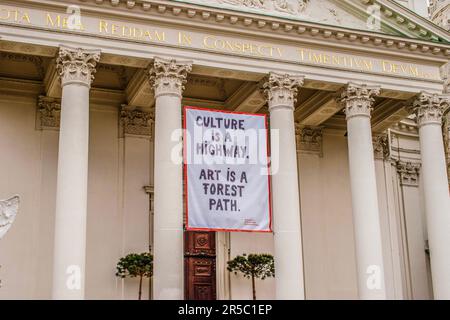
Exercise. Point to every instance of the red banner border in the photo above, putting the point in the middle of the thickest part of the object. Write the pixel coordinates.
(187, 227)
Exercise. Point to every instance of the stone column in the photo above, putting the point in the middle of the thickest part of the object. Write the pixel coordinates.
(168, 77)
(447, 143)
(76, 68)
(281, 92)
(357, 101)
(429, 110)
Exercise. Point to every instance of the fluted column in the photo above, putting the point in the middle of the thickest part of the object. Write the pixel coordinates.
(76, 68)
(168, 77)
(281, 92)
(429, 110)
(357, 101)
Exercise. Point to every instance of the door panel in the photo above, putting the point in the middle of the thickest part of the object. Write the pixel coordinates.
(200, 265)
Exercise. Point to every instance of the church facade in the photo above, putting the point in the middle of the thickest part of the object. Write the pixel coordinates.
(91, 100)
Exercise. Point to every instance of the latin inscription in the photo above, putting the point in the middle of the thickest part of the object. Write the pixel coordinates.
(215, 43)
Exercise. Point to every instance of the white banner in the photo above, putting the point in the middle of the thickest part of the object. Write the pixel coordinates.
(226, 171)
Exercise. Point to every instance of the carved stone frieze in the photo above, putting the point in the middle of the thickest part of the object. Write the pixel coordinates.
(136, 122)
(294, 7)
(309, 139)
(408, 173)
(48, 113)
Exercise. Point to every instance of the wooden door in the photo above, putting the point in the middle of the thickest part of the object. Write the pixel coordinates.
(200, 265)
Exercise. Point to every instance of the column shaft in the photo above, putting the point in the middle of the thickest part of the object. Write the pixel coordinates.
(429, 110)
(168, 78)
(369, 256)
(71, 193)
(281, 91)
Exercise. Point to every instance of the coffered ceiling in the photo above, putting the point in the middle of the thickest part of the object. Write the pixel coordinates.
(114, 85)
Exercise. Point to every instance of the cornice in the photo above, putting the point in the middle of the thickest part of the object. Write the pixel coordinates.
(267, 26)
(409, 18)
(406, 128)
(395, 17)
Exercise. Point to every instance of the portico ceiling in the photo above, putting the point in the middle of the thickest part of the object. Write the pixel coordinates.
(30, 76)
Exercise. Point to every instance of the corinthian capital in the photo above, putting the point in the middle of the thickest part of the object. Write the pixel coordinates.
(429, 108)
(281, 90)
(136, 122)
(409, 173)
(168, 77)
(358, 99)
(381, 147)
(76, 65)
(49, 111)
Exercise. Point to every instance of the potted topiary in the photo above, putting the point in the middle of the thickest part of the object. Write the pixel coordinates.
(253, 266)
(136, 265)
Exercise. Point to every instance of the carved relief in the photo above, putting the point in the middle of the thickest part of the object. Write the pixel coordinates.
(284, 6)
(357, 100)
(48, 113)
(294, 7)
(203, 269)
(77, 65)
(8, 211)
(136, 122)
(203, 292)
(381, 147)
(408, 173)
(168, 77)
(201, 240)
(281, 90)
(309, 139)
(429, 108)
(323, 11)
